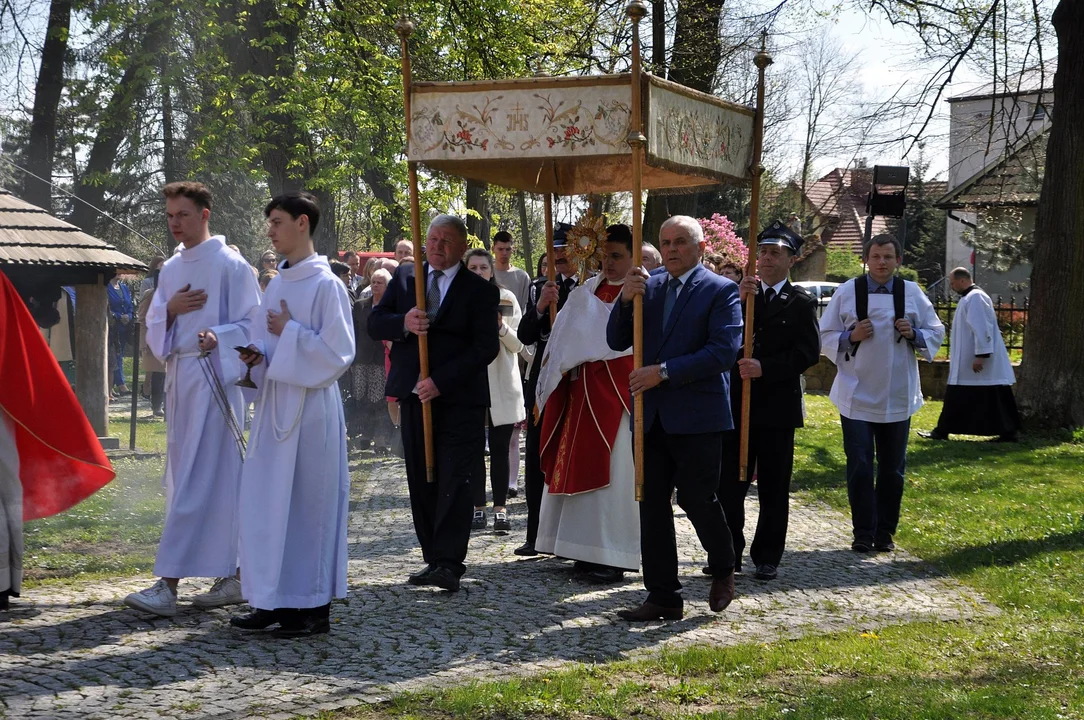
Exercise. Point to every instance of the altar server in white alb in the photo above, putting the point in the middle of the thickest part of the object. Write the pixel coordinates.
(872, 330)
(295, 485)
(978, 399)
(206, 295)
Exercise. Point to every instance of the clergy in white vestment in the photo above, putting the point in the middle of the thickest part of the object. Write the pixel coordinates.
(877, 387)
(589, 512)
(295, 485)
(978, 399)
(206, 295)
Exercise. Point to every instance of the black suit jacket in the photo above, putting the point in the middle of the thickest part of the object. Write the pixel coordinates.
(534, 330)
(463, 338)
(786, 340)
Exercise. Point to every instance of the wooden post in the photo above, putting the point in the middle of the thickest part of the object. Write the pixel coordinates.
(137, 388)
(636, 11)
(762, 61)
(551, 263)
(404, 29)
(91, 353)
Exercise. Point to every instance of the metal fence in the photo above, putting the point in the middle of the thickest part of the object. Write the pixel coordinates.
(1012, 318)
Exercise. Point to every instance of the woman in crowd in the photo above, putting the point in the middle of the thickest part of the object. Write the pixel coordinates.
(367, 419)
(505, 398)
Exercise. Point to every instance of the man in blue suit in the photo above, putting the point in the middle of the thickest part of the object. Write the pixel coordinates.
(692, 331)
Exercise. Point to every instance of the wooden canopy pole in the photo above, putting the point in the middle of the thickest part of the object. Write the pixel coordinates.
(762, 60)
(551, 263)
(636, 11)
(404, 29)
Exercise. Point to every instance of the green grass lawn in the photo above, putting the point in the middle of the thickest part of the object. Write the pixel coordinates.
(1006, 520)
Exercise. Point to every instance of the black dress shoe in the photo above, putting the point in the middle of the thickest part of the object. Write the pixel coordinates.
(444, 579)
(722, 593)
(513, 492)
(604, 574)
(934, 434)
(421, 577)
(884, 545)
(650, 611)
(862, 546)
(766, 572)
(526, 550)
(479, 521)
(304, 623)
(257, 619)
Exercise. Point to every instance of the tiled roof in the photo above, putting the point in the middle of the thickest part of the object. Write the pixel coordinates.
(31, 236)
(1015, 181)
(839, 199)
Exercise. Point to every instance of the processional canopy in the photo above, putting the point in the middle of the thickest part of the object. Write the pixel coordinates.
(570, 135)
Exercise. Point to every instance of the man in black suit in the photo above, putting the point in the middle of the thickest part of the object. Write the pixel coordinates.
(460, 320)
(786, 342)
(534, 329)
(692, 329)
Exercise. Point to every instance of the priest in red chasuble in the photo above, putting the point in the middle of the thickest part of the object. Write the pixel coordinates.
(589, 512)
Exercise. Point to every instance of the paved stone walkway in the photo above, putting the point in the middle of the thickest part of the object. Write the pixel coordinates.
(78, 653)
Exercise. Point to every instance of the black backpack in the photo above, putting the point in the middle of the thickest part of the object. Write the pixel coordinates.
(861, 304)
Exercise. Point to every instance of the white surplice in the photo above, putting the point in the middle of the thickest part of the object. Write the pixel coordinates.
(11, 510)
(880, 382)
(601, 526)
(295, 485)
(975, 332)
(203, 462)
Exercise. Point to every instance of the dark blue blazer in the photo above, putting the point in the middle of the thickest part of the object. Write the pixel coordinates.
(463, 337)
(699, 345)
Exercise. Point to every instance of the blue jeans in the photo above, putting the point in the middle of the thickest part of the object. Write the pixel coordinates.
(875, 510)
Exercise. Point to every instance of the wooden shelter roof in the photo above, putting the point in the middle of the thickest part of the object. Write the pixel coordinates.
(29, 236)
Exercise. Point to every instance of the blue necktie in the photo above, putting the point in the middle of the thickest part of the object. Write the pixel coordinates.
(881, 290)
(671, 298)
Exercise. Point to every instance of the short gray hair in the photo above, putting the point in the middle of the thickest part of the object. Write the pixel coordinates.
(686, 223)
(381, 273)
(450, 221)
(649, 249)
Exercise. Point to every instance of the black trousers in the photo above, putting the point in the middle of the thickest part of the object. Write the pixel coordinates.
(158, 390)
(689, 463)
(442, 510)
(771, 452)
(533, 479)
(499, 438)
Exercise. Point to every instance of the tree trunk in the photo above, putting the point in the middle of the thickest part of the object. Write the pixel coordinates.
(393, 217)
(658, 38)
(116, 123)
(1051, 389)
(478, 225)
(694, 62)
(525, 234)
(90, 353)
(41, 145)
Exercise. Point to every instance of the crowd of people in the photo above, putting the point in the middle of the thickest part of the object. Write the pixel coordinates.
(334, 351)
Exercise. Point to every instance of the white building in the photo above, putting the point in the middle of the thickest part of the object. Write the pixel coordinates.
(997, 149)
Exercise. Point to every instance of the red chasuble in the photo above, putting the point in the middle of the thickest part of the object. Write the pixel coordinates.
(61, 461)
(582, 418)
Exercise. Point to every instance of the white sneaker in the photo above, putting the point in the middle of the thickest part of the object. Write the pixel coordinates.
(225, 591)
(157, 599)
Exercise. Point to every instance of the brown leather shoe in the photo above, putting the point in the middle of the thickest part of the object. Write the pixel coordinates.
(722, 593)
(650, 611)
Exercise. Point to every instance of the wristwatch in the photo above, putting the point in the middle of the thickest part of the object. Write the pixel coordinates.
(664, 374)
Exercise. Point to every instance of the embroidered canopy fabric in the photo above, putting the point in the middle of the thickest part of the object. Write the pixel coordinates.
(569, 135)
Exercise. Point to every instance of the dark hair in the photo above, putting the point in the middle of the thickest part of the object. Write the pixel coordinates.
(349, 254)
(503, 237)
(538, 269)
(296, 204)
(339, 268)
(194, 191)
(882, 239)
(732, 264)
(620, 234)
(483, 253)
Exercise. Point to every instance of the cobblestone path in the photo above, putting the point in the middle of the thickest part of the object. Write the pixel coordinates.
(76, 652)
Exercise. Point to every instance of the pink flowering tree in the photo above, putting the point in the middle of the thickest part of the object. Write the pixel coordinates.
(722, 240)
